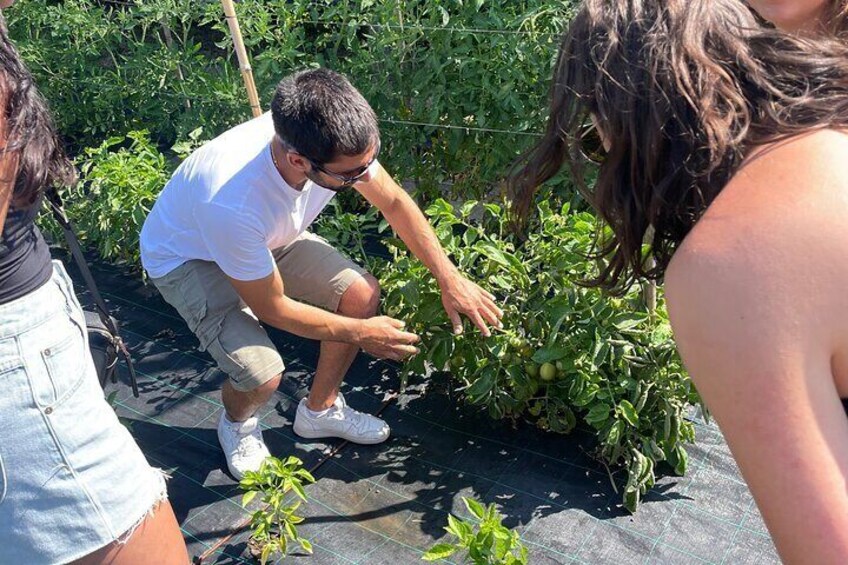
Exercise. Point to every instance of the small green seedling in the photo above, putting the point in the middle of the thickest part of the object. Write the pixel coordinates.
(484, 539)
(274, 525)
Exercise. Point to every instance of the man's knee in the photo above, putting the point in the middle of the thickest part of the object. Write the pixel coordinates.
(362, 298)
(261, 386)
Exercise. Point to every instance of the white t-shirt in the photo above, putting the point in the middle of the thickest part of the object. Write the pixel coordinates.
(228, 204)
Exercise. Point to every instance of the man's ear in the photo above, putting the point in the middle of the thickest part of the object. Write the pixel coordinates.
(298, 162)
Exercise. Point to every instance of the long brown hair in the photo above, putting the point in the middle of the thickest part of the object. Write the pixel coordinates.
(31, 134)
(681, 89)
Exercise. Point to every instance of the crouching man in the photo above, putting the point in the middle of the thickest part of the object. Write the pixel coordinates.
(227, 245)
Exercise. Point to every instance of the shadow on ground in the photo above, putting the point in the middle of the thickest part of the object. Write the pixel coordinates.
(389, 503)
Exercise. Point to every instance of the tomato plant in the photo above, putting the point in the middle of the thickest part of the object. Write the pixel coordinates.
(568, 355)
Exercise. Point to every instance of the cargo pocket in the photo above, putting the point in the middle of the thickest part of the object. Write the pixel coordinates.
(229, 362)
(191, 300)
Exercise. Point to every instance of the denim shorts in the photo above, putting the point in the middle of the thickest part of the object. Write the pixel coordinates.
(72, 479)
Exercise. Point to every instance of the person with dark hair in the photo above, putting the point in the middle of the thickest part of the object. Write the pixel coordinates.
(721, 145)
(74, 486)
(227, 245)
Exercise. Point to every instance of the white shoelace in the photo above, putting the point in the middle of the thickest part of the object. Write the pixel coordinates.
(358, 420)
(249, 443)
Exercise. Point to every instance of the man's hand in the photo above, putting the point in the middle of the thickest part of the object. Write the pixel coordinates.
(461, 296)
(384, 337)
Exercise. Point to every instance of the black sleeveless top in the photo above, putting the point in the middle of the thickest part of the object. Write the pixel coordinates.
(24, 255)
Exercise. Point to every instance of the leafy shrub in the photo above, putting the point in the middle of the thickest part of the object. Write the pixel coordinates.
(460, 86)
(430, 69)
(568, 355)
(485, 540)
(275, 524)
(121, 179)
(109, 68)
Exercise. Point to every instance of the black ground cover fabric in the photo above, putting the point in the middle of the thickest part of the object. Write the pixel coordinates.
(389, 503)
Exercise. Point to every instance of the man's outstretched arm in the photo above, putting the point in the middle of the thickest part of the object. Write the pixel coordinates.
(459, 295)
(380, 336)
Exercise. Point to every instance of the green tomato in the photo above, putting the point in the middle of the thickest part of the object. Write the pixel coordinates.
(532, 369)
(547, 372)
(526, 351)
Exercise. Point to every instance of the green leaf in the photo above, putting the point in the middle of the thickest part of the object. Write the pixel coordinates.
(248, 496)
(441, 352)
(482, 386)
(440, 207)
(628, 320)
(548, 354)
(598, 414)
(467, 208)
(266, 553)
(439, 551)
(298, 489)
(628, 412)
(291, 530)
(474, 507)
(682, 460)
(501, 257)
(454, 526)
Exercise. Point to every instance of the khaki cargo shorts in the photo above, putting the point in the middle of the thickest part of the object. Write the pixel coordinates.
(313, 271)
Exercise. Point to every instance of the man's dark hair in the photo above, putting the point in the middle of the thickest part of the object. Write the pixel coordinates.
(320, 114)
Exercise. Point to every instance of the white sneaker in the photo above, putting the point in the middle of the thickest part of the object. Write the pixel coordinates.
(242, 444)
(340, 421)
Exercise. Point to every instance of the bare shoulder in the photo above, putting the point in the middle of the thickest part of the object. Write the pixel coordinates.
(773, 247)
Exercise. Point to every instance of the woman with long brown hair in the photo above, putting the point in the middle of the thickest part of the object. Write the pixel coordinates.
(725, 149)
(74, 486)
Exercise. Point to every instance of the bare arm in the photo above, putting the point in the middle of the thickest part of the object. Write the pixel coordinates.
(380, 336)
(773, 395)
(6, 188)
(459, 295)
(757, 302)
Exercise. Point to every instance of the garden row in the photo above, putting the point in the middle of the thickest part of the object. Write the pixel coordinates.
(137, 87)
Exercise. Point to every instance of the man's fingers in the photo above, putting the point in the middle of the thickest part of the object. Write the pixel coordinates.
(492, 317)
(456, 321)
(489, 302)
(408, 337)
(497, 313)
(496, 310)
(396, 323)
(401, 352)
(478, 321)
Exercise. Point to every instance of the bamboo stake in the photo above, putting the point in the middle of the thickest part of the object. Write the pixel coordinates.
(241, 53)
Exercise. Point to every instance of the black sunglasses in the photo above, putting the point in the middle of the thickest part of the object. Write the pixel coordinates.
(346, 180)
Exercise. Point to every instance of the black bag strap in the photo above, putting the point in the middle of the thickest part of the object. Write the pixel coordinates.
(55, 203)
